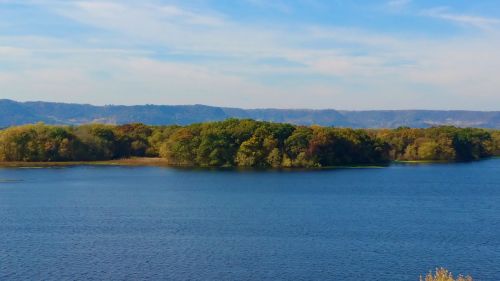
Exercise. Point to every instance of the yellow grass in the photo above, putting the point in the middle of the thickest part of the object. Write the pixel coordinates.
(442, 274)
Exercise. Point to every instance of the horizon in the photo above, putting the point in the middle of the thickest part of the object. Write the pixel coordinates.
(310, 54)
(253, 108)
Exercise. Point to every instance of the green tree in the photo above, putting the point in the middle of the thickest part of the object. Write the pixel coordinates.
(181, 146)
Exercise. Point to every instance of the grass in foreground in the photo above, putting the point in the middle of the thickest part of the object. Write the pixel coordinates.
(442, 274)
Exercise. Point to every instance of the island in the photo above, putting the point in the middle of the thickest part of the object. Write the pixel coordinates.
(242, 143)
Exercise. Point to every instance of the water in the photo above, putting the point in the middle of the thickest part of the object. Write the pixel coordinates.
(148, 223)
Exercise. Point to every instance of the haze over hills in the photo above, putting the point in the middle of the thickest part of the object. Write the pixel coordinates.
(17, 113)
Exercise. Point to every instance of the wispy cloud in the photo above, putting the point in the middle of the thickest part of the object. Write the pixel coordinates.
(277, 5)
(154, 48)
(398, 4)
(444, 13)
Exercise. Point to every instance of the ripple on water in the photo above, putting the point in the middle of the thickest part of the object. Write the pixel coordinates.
(113, 223)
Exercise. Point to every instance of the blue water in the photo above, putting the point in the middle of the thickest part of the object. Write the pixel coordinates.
(149, 223)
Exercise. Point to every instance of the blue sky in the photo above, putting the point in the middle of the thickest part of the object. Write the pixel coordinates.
(377, 54)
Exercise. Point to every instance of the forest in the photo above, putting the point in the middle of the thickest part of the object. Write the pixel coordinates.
(246, 143)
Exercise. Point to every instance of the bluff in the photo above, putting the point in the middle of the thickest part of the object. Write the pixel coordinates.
(18, 113)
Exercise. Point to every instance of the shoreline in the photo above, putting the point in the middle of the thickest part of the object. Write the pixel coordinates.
(143, 161)
(160, 162)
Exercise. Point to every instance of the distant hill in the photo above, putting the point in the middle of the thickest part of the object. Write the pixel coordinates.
(17, 113)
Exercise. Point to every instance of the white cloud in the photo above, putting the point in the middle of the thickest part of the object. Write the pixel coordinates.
(333, 67)
(463, 19)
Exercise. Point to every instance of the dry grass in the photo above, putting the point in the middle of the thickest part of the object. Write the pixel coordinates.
(144, 161)
(444, 275)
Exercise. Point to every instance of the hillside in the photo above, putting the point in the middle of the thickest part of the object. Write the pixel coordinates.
(17, 113)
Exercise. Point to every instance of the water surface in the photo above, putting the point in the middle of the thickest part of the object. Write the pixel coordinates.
(149, 223)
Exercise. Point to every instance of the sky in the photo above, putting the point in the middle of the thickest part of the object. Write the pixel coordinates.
(352, 55)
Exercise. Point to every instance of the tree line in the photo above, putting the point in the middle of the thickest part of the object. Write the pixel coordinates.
(246, 143)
